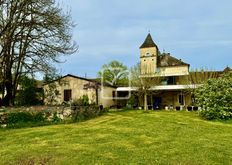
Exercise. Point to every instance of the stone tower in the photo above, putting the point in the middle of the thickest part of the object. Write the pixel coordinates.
(148, 56)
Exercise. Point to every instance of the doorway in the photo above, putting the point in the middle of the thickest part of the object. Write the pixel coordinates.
(157, 102)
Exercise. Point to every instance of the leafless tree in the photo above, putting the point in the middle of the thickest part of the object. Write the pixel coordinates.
(33, 35)
(199, 77)
(143, 84)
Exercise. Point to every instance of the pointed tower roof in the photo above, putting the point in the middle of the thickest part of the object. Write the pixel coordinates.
(227, 69)
(148, 42)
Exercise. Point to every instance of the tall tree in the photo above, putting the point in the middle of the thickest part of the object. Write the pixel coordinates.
(33, 35)
(114, 73)
(143, 84)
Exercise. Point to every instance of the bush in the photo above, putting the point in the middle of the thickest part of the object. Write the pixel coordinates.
(18, 117)
(85, 100)
(29, 94)
(55, 118)
(86, 112)
(46, 117)
(39, 117)
(82, 101)
(3, 118)
(22, 119)
(215, 98)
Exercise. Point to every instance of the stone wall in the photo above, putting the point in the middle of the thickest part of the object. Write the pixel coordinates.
(77, 91)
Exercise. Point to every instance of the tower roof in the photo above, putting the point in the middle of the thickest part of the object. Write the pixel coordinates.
(227, 69)
(148, 42)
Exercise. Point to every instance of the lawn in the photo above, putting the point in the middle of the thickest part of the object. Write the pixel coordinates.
(129, 137)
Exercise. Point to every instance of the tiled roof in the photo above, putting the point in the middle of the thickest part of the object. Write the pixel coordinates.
(227, 69)
(148, 42)
(166, 60)
(81, 78)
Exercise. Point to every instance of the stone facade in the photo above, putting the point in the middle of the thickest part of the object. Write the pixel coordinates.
(148, 60)
(148, 56)
(173, 72)
(72, 88)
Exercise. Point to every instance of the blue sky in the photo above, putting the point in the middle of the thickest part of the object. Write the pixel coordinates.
(197, 31)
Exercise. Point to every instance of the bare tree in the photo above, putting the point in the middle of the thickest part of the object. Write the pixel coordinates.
(199, 77)
(143, 84)
(33, 35)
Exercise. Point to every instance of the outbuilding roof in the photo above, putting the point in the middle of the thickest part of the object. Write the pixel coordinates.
(82, 78)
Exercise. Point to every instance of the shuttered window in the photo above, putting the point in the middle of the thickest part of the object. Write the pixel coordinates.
(67, 94)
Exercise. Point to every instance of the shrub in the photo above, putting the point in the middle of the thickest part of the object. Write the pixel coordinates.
(39, 117)
(86, 112)
(29, 94)
(17, 117)
(3, 118)
(55, 118)
(46, 117)
(85, 100)
(22, 119)
(215, 98)
(82, 101)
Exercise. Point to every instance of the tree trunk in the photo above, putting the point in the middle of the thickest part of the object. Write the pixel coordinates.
(145, 102)
(7, 100)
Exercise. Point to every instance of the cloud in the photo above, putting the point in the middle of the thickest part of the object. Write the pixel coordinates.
(199, 32)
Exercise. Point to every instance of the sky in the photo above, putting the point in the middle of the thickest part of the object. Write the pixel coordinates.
(197, 31)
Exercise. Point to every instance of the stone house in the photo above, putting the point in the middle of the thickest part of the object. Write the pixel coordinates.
(173, 91)
(71, 88)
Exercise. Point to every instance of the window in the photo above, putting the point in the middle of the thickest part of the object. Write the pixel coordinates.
(67, 94)
(171, 80)
(181, 99)
(147, 54)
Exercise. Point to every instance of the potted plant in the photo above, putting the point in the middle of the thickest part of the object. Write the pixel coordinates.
(195, 108)
(178, 107)
(189, 108)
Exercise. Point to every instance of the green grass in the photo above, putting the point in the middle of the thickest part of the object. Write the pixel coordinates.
(130, 137)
